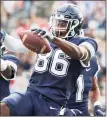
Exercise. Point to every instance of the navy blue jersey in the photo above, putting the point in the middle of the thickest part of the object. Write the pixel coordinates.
(4, 84)
(79, 98)
(55, 73)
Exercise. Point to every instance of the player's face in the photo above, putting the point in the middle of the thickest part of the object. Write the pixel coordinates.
(59, 27)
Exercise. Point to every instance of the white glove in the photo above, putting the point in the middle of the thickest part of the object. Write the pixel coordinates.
(3, 65)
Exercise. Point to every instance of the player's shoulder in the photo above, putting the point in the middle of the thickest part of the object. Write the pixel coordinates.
(81, 39)
(88, 40)
(84, 41)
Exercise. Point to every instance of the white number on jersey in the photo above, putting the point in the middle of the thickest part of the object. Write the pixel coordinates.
(59, 63)
(80, 89)
(42, 62)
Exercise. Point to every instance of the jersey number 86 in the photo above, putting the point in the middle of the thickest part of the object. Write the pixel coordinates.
(55, 61)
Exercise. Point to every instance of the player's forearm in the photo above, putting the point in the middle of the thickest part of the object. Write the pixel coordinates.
(95, 95)
(70, 49)
(14, 45)
(95, 92)
(95, 98)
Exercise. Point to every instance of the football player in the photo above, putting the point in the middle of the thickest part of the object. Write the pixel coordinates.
(87, 81)
(55, 73)
(8, 68)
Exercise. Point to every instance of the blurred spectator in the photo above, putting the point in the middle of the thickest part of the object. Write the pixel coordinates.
(26, 62)
(9, 7)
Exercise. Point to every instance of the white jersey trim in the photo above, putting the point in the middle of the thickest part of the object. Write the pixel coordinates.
(97, 71)
(83, 64)
(92, 51)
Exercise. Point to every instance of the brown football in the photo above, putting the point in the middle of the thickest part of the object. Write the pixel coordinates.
(34, 42)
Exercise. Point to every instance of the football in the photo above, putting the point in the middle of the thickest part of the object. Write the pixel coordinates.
(34, 42)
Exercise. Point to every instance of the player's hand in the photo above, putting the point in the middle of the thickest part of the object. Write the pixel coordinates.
(70, 112)
(2, 35)
(44, 34)
(98, 111)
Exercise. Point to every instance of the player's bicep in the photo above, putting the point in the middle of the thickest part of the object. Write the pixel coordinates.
(88, 51)
(90, 47)
(86, 55)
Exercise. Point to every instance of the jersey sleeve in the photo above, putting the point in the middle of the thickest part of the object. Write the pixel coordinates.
(95, 67)
(91, 45)
(97, 70)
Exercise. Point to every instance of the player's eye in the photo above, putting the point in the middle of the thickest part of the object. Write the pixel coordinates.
(60, 24)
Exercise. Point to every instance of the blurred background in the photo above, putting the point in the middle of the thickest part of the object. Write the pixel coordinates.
(21, 15)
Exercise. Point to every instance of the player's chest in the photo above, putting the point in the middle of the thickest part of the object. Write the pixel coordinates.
(56, 62)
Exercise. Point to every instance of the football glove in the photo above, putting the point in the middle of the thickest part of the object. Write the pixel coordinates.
(3, 65)
(70, 112)
(2, 36)
(98, 111)
(43, 34)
